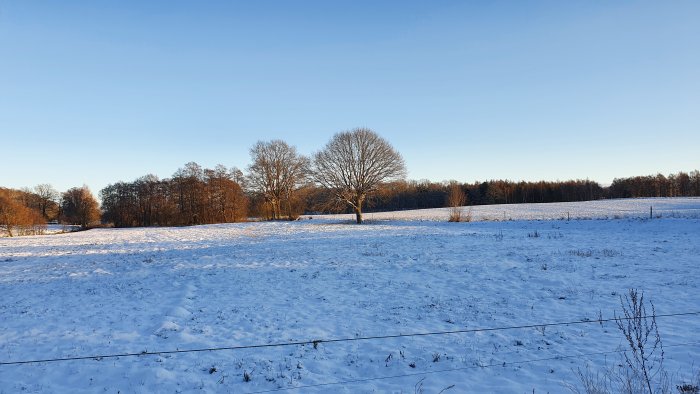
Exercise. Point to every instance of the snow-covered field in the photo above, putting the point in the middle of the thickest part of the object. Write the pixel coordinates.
(115, 291)
(600, 209)
(50, 229)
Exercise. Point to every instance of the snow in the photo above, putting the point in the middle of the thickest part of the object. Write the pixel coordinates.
(115, 291)
(599, 209)
(50, 229)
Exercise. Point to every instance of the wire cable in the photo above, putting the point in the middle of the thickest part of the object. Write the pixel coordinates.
(316, 342)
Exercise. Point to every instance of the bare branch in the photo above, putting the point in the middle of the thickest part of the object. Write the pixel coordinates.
(353, 165)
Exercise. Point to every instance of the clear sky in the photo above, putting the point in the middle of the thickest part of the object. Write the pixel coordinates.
(93, 92)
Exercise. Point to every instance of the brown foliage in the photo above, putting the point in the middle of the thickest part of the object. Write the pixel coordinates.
(456, 199)
(194, 195)
(79, 206)
(16, 218)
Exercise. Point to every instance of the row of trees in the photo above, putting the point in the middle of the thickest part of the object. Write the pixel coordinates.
(27, 211)
(193, 195)
(675, 185)
(280, 183)
(273, 191)
(425, 194)
(356, 168)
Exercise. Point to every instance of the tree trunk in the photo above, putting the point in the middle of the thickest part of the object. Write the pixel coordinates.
(273, 204)
(358, 209)
(289, 210)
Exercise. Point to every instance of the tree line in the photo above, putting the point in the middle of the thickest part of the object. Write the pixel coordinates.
(425, 194)
(356, 170)
(28, 211)
(675, 185)
(193, 195)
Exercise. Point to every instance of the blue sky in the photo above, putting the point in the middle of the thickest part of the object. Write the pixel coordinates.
(94, 92)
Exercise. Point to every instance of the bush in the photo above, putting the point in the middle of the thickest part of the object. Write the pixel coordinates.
(456, 199)
(641, 370)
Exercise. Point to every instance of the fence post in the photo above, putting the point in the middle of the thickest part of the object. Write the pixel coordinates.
(651, 212)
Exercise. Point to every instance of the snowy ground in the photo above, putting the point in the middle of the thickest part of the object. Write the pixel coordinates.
(600, 209)
(110, 291)
(50, 229)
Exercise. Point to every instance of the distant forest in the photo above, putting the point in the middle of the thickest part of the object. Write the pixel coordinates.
(196, 195)
(426, 194)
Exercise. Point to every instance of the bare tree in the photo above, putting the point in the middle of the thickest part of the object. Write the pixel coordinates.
(456, 199)
(276, 173)
(47, 197)
(353, 165)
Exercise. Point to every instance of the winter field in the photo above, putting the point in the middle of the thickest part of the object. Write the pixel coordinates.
(116, 291)
(600, 209)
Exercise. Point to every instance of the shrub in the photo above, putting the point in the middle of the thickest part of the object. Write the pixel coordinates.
(641, 370)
